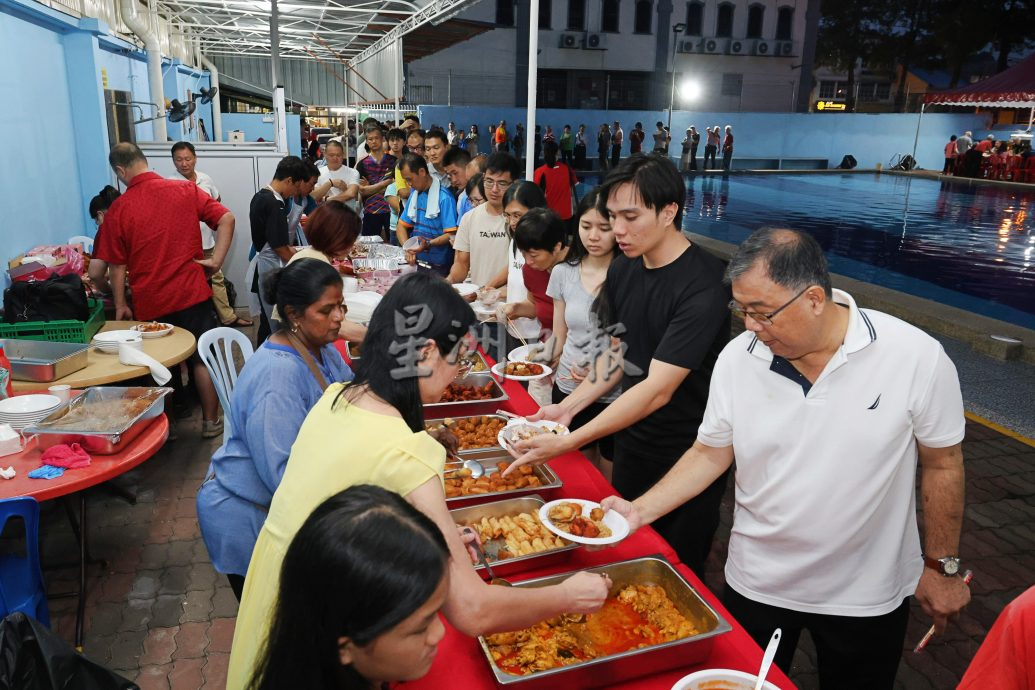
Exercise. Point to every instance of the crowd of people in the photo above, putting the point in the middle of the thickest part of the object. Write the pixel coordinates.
(988, 158)
(324, 506)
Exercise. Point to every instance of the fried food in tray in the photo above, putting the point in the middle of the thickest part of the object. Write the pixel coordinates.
(474, 432)
(522, 369)
(478, 364)
(568, 518)
(521, 534)
(639, 616)
(457, 392)
(461, 483)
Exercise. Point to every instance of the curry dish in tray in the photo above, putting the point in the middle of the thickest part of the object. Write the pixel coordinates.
(639, 616)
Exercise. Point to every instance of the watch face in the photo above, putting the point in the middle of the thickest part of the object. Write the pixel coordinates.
(951, 566)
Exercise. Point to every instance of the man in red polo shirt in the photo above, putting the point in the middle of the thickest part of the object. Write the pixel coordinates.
(151, 232)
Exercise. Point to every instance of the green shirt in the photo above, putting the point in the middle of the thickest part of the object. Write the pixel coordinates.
(567, 142)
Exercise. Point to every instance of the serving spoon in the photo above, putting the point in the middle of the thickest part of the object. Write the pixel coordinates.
(767, 658)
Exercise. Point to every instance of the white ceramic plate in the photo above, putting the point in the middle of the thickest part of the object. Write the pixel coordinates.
(466, 289)
(720, 679)
(22, 405)
(525, 353)
(619, 525)
(504, 434)
(109, 340)
(147, 335)
(500, 370)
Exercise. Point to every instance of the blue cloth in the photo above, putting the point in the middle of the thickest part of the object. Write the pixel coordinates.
(430, 228)
(273, 395)
(47, 472)
(463, 204)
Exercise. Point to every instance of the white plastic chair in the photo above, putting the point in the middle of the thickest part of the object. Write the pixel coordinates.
(87, 242)
(217, 352)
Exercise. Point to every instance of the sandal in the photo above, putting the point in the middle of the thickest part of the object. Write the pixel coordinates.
(239, 322)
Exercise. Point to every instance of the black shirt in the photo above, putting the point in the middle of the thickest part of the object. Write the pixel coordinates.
(676, 314)
(268, 220)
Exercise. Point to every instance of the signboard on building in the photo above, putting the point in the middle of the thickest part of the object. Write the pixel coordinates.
(831, 106)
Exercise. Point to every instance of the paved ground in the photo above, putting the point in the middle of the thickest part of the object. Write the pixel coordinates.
(160, 615)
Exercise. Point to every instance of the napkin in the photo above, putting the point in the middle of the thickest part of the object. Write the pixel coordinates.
(70, 456)
(130, 356)
(47, 472)
(8, 473)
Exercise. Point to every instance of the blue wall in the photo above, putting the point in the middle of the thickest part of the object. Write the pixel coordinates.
(253, 126)
(871, 138)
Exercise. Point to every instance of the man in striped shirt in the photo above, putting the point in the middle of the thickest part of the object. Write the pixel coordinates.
(377, 171)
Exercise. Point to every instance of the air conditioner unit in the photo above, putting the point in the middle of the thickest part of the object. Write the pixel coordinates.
(571, 40)
(714, 45)
(764, 48)
(784, 48)
(595, 42)
(738, 47)
(689, 46)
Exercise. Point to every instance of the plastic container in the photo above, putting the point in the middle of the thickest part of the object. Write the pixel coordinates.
(6, 388)
(65, 331)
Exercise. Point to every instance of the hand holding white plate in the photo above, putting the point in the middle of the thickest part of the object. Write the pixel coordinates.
(519, 429)
(500, 369)
(612, 520)
(532, 352)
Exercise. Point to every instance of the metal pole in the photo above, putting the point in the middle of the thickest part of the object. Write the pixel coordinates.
(533, 68)
(449, 87)
(607, 92)
(397, 71)
(672, 91)
(279, 120)
(916, 139)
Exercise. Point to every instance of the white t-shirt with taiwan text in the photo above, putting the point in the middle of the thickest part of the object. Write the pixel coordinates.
(485, 237)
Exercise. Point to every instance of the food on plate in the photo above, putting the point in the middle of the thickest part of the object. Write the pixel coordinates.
(152, 327)
(474, 432)
(523, 432)
(640, 616)
(458, 392)
(460, 482)
(568, 517)
(475, 360)
(522, 369)
(522, 535)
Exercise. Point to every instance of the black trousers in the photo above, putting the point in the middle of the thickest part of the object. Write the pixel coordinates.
(693, 158)
(709, 152)
(689, 528)
(616, 155)
(853, 653)
(949, 167)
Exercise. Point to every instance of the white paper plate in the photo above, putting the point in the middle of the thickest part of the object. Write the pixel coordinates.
(370, 239)
(521, 354)
(503, 436)
(618, 524)
(148, 335)
(724, 678)
(22, 405)
(500, 368)
(109, 340)
(466, 289)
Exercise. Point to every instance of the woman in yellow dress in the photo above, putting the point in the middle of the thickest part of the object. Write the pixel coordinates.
(372, 432)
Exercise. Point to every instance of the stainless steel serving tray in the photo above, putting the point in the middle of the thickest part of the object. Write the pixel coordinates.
(474, 380)
(110, 439)
(607, 670)
(43, 361)
(432, 423)
(497, 509)
(548, 479)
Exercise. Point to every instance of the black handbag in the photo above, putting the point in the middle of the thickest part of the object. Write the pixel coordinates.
(57, 298)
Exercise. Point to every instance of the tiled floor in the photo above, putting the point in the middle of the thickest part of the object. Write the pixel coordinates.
(159, 614)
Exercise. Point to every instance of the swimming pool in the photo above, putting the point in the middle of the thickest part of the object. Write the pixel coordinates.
(968, 246)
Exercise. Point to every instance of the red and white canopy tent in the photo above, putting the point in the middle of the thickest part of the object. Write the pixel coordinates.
(1011, 88)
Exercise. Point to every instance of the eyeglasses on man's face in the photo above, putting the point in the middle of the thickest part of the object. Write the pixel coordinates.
(760, 317)
(502, 185)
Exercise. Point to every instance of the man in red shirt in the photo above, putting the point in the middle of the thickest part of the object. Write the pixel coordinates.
(151, 231)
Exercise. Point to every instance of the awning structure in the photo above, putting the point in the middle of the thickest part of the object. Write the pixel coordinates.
(1011, 88)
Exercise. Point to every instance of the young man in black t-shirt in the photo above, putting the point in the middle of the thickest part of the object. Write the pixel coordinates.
(666, 303)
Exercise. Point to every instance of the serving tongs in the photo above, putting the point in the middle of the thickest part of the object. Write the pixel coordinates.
(479, 551)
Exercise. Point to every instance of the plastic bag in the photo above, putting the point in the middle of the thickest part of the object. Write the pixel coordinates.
(73, 260)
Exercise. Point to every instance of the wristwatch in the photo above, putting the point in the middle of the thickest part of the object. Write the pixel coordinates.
(947, 567)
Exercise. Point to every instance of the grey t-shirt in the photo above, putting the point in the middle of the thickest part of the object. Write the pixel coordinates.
(585, 338)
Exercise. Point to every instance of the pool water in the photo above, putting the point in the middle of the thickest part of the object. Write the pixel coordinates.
(968, 246)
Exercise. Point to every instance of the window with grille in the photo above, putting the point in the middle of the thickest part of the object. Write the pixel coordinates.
(784, 22)
(609, 16)
(832, 89)
(724, 25)
(756, 13)
(576, 15)
(644, 8)
(694, 18)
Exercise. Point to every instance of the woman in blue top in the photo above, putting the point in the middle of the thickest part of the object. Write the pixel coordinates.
(274, 393)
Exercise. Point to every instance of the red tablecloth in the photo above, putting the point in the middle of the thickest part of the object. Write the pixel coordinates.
(461, 663)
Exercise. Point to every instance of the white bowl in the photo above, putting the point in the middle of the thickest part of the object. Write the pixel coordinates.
(148, 335)
(109, 340)
(22, 405)
(615, 521)
(720, 679)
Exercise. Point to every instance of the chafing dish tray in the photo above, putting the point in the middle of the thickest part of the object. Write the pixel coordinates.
(607, 670)
(101, 419)
(43, 361)
(453, 421)
(546, 477)
(473, 380)
(509, 507)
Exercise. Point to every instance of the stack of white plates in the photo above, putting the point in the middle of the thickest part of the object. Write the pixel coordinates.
(25, 410)
(108, 341)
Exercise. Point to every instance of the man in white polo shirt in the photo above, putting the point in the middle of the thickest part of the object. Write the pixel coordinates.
(827, 408)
